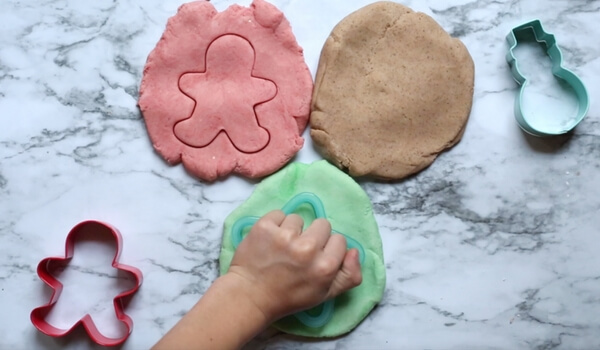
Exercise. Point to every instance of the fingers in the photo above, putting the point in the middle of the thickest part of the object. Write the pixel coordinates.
(336, 248)
(275, 216)
(293, 223)
(349, 275)
(268, 223)
(318, 232)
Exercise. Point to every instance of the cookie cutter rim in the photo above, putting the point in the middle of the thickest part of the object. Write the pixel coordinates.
(317, 205)
(553, 51)
(38, 315)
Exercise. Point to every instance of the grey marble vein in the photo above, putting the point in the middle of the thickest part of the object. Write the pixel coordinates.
(494, 246)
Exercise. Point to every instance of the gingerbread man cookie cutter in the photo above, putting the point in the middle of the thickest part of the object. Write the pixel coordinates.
(320, 315)
(533, 31)
(49, 265)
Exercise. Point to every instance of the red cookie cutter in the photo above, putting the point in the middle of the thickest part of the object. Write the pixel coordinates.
(46, 266)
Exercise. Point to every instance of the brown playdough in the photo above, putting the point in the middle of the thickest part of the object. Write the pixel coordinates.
(392, 91)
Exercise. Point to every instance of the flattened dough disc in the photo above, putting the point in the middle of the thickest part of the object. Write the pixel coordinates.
(392, 90)
(226, 92)
(349, 211)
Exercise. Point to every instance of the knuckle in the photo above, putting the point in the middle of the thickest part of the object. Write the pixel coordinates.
(284, 237)
(323, 223)
(287, 233)
(339, 239)
(261, 226)
(326, 266)
(304, 249)
(277, 212)
(296, 217)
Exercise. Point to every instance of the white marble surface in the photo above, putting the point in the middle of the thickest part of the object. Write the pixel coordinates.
(495, 246)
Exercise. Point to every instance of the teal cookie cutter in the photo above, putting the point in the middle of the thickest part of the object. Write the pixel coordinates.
(533, 30)
(321, 314)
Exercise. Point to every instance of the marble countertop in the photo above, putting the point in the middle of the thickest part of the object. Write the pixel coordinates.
(493, 246)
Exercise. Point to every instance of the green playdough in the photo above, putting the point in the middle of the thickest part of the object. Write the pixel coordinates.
(348, 209)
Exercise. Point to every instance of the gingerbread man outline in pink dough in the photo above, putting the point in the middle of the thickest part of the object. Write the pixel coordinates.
(235, 93)
(278, 58)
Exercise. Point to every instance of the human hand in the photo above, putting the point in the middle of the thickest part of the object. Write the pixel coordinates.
(287, 270)
(276, 270)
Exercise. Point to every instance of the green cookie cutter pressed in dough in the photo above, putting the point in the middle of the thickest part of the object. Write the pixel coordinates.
(314, 191)
(324, 311)
(524, 33)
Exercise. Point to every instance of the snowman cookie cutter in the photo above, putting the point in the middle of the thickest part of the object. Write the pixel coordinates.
(324, 312)
(533, 31)
(49, 265)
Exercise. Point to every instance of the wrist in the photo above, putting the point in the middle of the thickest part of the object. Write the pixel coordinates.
(224, 318)
(233, 307)
(245, 294)
(250, 291)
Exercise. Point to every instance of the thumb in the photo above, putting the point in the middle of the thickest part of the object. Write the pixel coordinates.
(349, 275)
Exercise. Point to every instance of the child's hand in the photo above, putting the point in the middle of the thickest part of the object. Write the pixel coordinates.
(286, 270)
(276, 270)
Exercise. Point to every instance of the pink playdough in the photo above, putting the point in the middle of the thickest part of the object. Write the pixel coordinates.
(226, 92)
